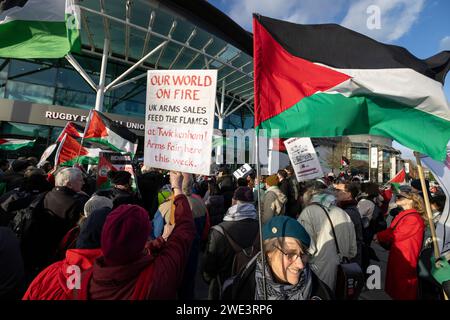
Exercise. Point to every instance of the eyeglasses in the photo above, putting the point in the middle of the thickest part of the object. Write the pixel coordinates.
(294, 256)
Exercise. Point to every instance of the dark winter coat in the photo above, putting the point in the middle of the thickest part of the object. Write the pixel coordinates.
(119, 196)
(216, 209)
(12, 276)
(219, 254)
(350, 208)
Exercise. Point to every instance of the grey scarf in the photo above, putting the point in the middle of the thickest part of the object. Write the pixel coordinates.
(281, 291)
(240, 212)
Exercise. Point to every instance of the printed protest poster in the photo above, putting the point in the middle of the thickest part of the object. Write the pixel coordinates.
(179, 120)
(112, 161)
(243, 171)
(304, 158)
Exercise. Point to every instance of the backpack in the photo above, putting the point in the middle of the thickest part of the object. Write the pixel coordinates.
(27, 218)
(13, 202)
(242, 256)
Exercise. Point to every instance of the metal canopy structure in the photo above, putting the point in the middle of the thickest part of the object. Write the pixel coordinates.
(146, 34)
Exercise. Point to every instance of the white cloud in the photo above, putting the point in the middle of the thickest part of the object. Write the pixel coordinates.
(318, 11)
(445, 43)
(397, 18)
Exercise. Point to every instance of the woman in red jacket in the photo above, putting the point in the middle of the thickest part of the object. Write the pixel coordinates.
(404, 239)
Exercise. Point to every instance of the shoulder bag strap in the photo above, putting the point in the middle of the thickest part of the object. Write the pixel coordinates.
(234, 245)
(332, 227)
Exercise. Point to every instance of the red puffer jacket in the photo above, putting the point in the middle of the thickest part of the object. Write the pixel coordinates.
(51, 283)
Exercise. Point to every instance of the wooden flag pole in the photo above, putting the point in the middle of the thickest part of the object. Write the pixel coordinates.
(428, 209)
(427, 205)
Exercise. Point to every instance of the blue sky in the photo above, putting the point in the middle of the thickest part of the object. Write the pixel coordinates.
(421, 26)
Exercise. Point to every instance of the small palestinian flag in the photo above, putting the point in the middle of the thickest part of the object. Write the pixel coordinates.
(70, 152)
(39, 28)
(72, 129)
(15, 144)
(328, 81)
(104, 131)
(398, 180)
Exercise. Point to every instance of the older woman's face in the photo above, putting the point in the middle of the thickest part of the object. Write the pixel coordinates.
(286, 261)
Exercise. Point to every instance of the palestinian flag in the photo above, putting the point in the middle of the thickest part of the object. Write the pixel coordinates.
(15, 144)
(70, 152)
(39, 28)
(105, 132)
(399, 178)
(72, 129)
(328, 81)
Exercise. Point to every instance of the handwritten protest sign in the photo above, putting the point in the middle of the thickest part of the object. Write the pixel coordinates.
(179, 119)
(304, 158)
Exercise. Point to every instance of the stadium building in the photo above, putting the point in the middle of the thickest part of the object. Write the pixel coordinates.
(121, 40)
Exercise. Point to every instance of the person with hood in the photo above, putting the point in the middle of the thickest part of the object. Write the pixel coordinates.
(274, 201)
(325, 260)
(241, 225)
(226, 184)
(403, 238)
(346, 200)
(215, 204)
(57, 281)
(70, 239)
(130, 271)
(121, 192)
(12, 274)
(288, 274)
(150, 183)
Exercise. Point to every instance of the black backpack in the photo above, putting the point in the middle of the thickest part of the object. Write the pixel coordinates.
(28, 218)
(242, 256)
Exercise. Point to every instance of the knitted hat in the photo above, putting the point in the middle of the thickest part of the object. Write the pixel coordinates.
(417, 185)
(243, 194)
(283, 226)
(124, 234)
(97, 202)
(272, 180)
(119, 177)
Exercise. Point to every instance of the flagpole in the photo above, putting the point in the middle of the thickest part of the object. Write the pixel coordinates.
(428, 209)
(84, 133)
(258, 175)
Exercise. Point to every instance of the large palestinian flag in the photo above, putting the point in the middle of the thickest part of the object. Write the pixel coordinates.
(70, 152)
(104, 131)
(15, 144)
(39, 28)
(327, 81)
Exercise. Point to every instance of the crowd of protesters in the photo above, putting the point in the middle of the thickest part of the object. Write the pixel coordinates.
(62, 239)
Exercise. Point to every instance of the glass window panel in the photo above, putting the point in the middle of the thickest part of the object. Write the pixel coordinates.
(129, 107)
(69, 98)
(71, 79)
(29, 92)
(36, 73)
(3, 68)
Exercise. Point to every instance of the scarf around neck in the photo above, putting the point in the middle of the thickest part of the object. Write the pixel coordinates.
(281, 291)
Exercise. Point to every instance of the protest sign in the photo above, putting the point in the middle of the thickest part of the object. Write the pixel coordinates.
(114, 161)
(243, 171)
(304, 158)
(179, 120)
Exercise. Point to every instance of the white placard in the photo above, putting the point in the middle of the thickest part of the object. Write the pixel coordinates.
(304, 158)
(407, 167)
(243, 171)
(179, 120)
(373, 157)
